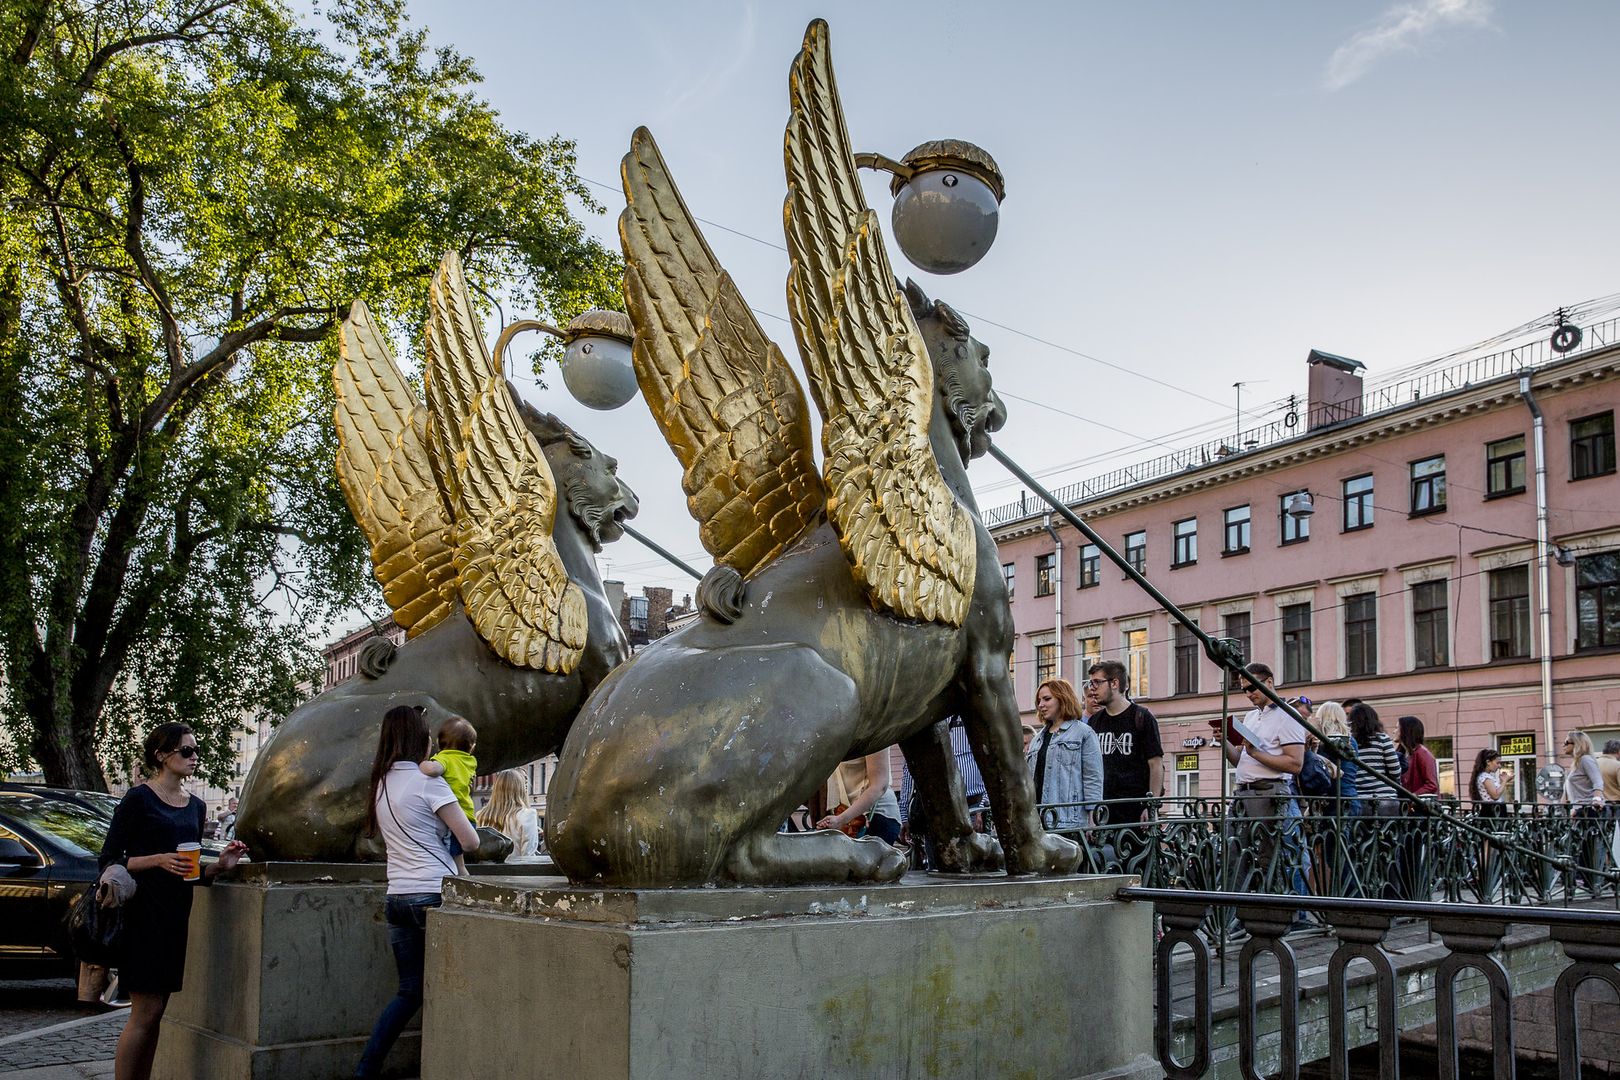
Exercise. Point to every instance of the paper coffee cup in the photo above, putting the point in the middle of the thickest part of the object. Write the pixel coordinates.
(193, 854)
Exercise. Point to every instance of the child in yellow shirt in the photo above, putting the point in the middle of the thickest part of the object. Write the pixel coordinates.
(455, 762)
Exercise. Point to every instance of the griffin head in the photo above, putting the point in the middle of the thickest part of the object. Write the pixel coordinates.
(587, 478)
(961, 372)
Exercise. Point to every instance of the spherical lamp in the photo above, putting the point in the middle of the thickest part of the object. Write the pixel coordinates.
(596, 363)
(946, 210)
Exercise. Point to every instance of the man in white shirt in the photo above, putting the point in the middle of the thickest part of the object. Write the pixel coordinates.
(1264, 766)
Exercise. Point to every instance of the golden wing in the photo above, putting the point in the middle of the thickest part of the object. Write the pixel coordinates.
(385, 470)
(721, 391)
(910, 542)
(502, 495)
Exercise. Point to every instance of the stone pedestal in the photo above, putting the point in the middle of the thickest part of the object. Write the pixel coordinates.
(974, 977)
(287, 967)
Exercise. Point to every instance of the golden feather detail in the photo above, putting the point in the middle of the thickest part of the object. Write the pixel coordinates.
(385, 470)
(502, 495)
(723, 395)
(908, 540)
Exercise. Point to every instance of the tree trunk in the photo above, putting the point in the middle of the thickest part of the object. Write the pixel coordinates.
(66, 751)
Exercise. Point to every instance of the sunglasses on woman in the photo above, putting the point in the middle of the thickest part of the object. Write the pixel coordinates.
(187, 752)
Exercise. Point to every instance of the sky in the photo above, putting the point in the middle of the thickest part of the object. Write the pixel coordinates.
(1197, 194)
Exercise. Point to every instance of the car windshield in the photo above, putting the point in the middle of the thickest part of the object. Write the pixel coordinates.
(77, 830)
(100, 802)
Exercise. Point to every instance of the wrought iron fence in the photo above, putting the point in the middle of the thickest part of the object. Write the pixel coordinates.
(1471, 934)
(1540, 855)
(1296, 423)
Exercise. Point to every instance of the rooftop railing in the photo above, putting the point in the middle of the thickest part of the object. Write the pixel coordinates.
(1296, 424)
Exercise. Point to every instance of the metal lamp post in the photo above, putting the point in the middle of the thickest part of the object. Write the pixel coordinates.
(947, 202)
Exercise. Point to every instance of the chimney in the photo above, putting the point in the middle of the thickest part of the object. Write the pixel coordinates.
(615, 596)
(1335, 389)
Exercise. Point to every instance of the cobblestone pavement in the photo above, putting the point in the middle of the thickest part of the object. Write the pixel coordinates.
(75, 1043)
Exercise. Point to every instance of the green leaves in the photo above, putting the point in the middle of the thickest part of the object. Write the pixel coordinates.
(194, 191)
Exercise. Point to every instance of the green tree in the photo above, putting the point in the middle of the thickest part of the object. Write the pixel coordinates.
(194, 192)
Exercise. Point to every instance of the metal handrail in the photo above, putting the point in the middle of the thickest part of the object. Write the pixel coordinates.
(1374, 402)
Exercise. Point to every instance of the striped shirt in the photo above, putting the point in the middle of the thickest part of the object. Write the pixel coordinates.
(1381, 755)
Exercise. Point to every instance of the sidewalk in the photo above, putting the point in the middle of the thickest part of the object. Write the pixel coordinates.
(78, 1049)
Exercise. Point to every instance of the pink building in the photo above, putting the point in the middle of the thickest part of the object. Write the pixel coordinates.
(1415, 583)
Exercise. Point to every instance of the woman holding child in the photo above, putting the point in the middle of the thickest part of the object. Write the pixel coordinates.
(417, 815)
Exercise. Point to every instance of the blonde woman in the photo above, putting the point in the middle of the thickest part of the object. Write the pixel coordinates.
(1583, 784)
(508, 812)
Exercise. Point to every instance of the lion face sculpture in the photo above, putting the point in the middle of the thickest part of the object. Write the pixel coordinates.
(962, 373)
(587, 478)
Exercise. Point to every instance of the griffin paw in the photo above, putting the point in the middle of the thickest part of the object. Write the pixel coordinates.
(974, 853)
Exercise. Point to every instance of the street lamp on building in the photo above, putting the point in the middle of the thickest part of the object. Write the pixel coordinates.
(947, 202)
(1299, 505)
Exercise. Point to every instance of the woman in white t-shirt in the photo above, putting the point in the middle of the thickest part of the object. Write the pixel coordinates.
(416, 815)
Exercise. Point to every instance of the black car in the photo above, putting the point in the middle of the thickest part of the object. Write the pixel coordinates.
(48, 852)
(99, 801)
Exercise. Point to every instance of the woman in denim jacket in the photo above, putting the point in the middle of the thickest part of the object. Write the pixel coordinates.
(1064, 759)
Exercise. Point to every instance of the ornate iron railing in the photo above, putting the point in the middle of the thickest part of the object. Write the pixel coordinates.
(1472, 935)
(1295, 424)
(1540, 855)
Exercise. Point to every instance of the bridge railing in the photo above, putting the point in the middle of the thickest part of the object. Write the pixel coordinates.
(1540, 855)
(1472, 935)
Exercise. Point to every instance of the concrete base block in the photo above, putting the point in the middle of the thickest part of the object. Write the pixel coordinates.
(931, 977)
(287, 968)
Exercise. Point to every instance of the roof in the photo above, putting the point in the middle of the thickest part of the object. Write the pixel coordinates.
(1343, 363)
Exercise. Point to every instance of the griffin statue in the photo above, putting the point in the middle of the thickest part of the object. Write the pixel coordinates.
(494, 582)
(846, 612)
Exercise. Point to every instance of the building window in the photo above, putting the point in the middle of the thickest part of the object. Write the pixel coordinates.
(1591, 446)
(1045, 662)
(1089, 648)
(1296, 641)
(1361, 634)
(1510, 613)
(1237, 531)
(638, 614)
(1136, 551)
(1008, 573)
(1597, 601)
(1429, 485)
(1504, 467)
(1090, 559)
(1186, 537)
(1237, 627)
(1294, 529)
(1136, 662)
(1045, 571)
(1430, 645)
(1187, 650)
(1358, 503)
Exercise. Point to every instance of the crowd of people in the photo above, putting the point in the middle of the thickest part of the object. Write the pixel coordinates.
(1096, 761)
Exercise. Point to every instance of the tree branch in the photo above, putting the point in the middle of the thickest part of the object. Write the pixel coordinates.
(103, 56)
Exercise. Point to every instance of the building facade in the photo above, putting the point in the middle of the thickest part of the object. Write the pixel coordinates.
(1414, 582)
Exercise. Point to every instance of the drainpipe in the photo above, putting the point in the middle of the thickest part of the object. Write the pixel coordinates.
(1543, 573)
(1057, 592)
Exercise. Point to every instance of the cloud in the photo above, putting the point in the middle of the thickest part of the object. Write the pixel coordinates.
(1401, 28)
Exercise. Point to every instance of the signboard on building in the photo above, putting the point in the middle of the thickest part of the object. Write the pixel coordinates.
(1186, 762)
(1516, 745)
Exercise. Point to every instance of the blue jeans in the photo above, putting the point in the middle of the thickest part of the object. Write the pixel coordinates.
(407, 936)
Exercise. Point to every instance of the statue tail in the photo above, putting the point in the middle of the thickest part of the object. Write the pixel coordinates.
(376, 657)
(720, 593)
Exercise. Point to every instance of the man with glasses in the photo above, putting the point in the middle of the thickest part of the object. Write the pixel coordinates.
(1133, 759)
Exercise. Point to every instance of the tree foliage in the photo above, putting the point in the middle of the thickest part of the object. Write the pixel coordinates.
(194, 192)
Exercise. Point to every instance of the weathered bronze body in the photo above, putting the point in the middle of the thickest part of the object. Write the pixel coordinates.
(485, 516)
(846, 613)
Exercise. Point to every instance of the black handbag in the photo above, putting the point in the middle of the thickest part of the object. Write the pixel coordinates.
(97, 932)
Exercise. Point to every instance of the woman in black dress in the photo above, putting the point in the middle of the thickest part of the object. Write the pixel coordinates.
(150, 824)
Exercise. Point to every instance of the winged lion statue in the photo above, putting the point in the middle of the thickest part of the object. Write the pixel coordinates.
(484, 517)
(847, 611)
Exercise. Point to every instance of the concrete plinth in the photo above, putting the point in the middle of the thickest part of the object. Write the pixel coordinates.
(287, 967)
(974, 977)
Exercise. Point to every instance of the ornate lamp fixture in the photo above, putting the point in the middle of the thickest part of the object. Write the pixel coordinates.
(947, 201)
(596, 364)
